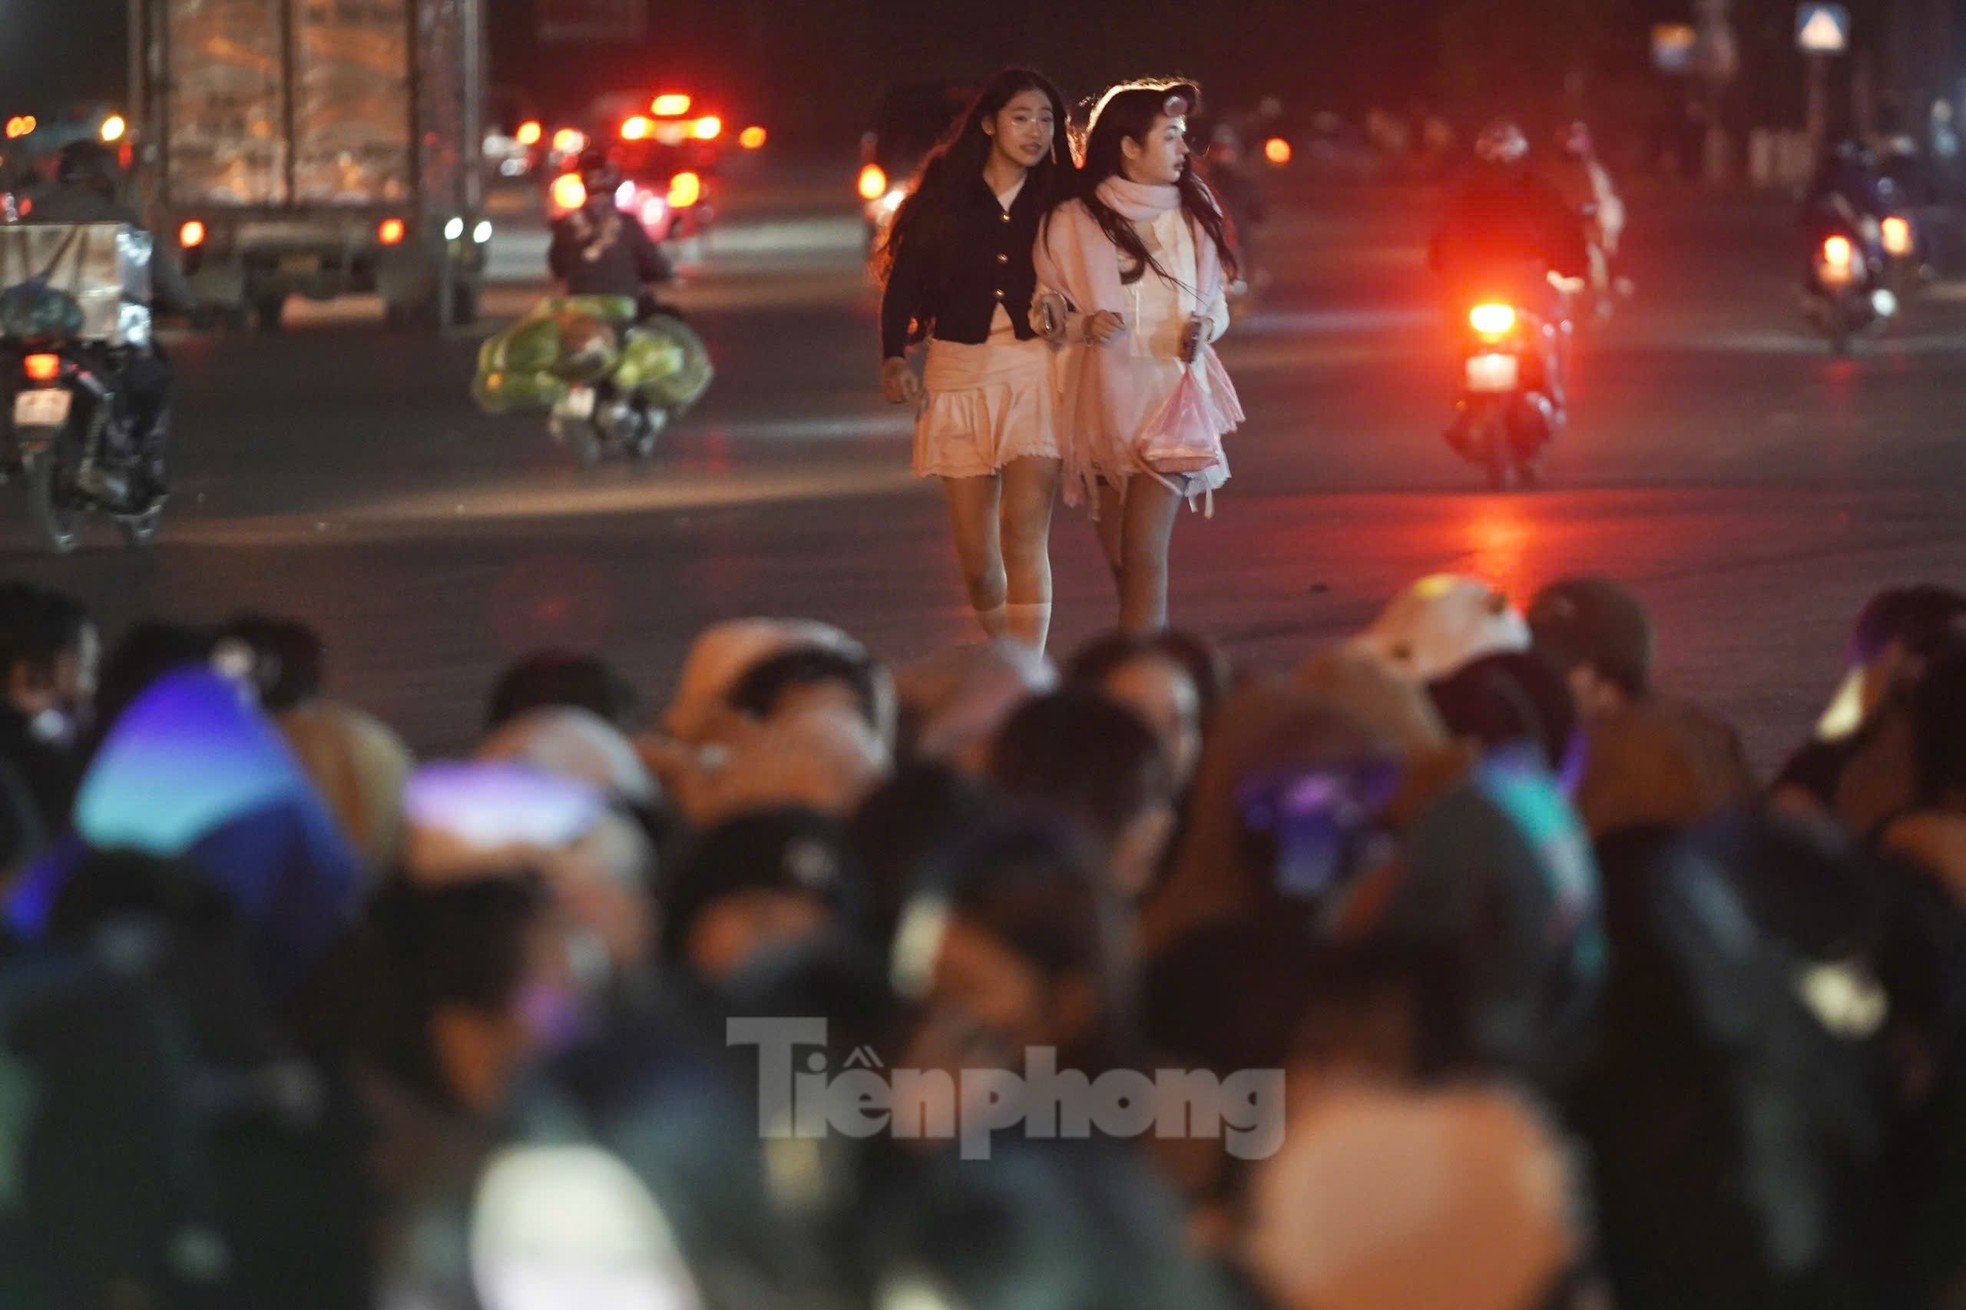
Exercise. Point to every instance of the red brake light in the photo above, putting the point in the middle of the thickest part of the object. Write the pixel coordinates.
(670, 106)
(1277, 150)
(709, 128)
(751, 138)
(43, 368)
(191, 235)
(636, 129)
(873, 182)
(529, 133)
(390, 232)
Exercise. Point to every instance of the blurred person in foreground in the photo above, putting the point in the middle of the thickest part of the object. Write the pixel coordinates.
(50, 653)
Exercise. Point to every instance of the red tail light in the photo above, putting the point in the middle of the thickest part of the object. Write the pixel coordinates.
(191, 235)
(43, 368)
(390, 232)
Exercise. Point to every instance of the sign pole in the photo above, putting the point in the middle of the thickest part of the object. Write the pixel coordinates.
(1818, 121)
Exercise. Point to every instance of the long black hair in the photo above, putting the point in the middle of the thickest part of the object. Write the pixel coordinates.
(958, 159)
(1127, 112)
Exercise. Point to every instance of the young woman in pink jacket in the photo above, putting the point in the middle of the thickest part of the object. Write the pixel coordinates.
(1141, 257)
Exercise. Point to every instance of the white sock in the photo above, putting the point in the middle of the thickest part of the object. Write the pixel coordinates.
(991, 620)
(1030, 623)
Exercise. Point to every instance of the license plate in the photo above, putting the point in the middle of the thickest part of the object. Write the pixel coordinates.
(579, 403)
(1493, 373)
(300, 263)
(46, 407)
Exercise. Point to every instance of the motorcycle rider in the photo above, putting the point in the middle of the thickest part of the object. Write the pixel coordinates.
(1846, 196)
(87, 174)
(601, 250)
(1587, 188)
(1505, 229)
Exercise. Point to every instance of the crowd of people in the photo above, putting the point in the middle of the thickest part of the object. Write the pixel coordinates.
(1510, 982)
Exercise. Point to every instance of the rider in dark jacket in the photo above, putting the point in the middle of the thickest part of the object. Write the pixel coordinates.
(85, 192)
(1505, 224)
(600, 250)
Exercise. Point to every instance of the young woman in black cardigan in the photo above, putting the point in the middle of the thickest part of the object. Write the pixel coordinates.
(956, 269)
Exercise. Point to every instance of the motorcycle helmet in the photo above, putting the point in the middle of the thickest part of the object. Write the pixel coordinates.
(598, 172)
(87, 164)
(1502, 142)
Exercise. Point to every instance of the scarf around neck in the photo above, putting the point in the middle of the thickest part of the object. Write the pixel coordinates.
(1138, 202)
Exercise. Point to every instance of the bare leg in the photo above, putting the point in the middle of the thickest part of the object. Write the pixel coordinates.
(1112, 524)
(1030, 485)
(1147, 528)
(973, 514)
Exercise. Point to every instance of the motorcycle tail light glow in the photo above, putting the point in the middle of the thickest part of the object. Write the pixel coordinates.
(873, 182)
(1837, 252)
(709, 128)
(685, 189)
(569, 193)
(1897, 235)
(42, 368)
(390, 231)
(637, 128)
(191, 235)
(1492, 320)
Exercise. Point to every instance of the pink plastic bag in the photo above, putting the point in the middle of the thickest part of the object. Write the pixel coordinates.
(1182, 436)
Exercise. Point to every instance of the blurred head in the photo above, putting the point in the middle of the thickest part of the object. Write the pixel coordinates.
(755, 887)
(1149, 677)
(1086, 758)
(723, 653)
(49, 655)
(1018, 115)
(1512, 698)
(1369, 690)
(563, 678)
(816, 677)
(1138, 132)
(1266, 730)
(1598, 635)
(907, 826)
(1440, 623)
(360, 767)
(463, 986)
(600, 175)
(1015, 943)
(145, 653)
(287, 658)
(491, 818)
(1898, 632)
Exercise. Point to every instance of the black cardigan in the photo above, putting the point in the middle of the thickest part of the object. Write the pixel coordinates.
(948, 280)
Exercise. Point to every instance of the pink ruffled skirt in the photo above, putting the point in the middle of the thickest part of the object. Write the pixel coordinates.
(986, 406)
